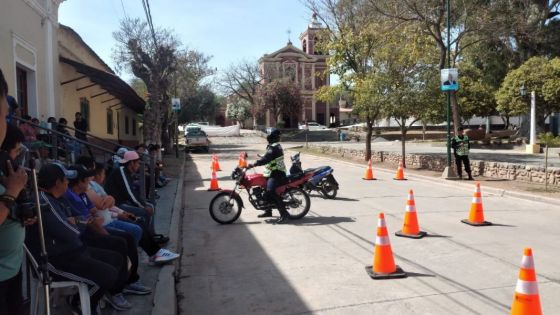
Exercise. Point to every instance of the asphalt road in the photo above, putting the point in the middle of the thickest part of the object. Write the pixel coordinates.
(316, 265)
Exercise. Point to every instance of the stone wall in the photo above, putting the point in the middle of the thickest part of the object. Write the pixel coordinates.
(509, 171)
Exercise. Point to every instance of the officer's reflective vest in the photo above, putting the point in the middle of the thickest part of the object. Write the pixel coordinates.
(464, 149)
(275, 165)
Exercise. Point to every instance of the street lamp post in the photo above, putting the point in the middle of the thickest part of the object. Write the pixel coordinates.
(532, 147)
(448, 173)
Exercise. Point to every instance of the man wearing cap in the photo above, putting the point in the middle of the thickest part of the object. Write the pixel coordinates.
(69, 258)
(119, 185)
(461, 147)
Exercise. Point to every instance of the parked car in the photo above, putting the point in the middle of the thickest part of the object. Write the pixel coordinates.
(312, 125)
(196, 138)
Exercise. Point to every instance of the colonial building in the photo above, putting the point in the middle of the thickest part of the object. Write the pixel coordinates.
(88, 85)
(307, 68)
(29, 54)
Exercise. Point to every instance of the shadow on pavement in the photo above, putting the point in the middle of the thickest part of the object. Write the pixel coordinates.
(225, 269)
(321, 220)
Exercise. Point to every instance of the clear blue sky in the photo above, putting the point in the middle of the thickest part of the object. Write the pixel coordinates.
(228, 30)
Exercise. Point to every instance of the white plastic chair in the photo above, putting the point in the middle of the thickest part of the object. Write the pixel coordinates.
(37, 290)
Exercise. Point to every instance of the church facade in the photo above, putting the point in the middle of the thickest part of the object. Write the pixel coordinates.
(306, 67)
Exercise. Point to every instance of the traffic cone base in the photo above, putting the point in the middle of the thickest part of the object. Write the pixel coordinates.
(483, 223)
(400, 172)
(214, 183)
(368, 175)
(399, 273)
(416, 236)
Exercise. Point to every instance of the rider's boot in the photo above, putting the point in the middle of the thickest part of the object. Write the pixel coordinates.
(265, 214)
(284, 215)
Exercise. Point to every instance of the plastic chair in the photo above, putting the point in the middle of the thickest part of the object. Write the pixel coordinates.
(37, 290)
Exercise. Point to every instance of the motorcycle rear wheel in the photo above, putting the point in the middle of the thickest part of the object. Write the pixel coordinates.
(329, 189)
(225, 209)
(297, 202)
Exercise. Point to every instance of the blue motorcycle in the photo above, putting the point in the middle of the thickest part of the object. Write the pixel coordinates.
(322, 181)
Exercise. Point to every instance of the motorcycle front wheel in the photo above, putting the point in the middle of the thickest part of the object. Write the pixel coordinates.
(297, 202)
(329, 188)
(224, 208)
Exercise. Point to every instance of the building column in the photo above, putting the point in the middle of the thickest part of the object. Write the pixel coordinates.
(313, 109)
(51, 59)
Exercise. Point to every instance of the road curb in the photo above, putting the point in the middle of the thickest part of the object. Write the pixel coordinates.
(455, 184)
(165, 295)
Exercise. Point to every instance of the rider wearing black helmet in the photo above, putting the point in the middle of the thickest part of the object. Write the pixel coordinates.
(275, 171)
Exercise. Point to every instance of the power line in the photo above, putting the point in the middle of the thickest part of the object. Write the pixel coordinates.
(147, 11)
(124, 11)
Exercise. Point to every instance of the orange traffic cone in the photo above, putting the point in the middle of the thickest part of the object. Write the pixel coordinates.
(383, 262)
(369, 172)
(526, 300)
(410, 226)
(400, 172)
(242, 160)
(476, 215)
(215, 164)
(214, 183)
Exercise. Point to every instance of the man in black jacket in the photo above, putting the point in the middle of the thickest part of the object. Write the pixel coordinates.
(275, 171)
(81, 126)
(119, 184)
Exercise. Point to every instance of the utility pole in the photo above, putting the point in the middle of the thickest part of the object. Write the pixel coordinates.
(448, 93)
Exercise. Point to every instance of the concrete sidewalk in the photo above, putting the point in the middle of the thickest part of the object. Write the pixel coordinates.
(437, 148)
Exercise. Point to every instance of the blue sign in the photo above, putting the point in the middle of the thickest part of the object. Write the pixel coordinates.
(449, 79)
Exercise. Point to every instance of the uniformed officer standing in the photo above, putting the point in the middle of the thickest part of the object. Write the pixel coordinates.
(275, 171)
(461, 147)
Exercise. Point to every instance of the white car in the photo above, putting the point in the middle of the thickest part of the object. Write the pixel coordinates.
(311, 125)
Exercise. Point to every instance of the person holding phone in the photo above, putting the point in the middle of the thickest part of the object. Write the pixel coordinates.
(12, 231)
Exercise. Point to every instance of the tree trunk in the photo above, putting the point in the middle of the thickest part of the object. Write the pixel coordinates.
(424, 131)
(152, 120)
(369, 132)
(403, 142)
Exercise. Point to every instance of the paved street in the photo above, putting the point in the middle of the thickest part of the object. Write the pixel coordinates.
(316, 265)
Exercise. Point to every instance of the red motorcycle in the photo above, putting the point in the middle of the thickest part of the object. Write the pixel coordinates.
(226, 206)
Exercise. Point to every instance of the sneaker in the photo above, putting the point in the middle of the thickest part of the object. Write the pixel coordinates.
(137, 288)
(118, 302)
(163, 256)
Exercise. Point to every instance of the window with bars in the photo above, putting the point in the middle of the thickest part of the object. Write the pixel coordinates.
(126, 125)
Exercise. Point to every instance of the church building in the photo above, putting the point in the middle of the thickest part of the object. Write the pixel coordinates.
(307, 68)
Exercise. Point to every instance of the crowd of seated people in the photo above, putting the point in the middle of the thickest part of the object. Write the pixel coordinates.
(93, 228)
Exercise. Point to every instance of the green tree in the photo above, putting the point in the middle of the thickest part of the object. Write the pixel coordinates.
(352, 37)
(410, 80)
(199, 107)
(537, 74)
(238, 110)
(280, 96)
